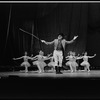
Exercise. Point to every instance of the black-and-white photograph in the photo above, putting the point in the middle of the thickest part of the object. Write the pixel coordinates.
(49, 47)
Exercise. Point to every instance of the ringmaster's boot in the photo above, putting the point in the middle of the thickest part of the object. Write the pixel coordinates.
(56, 68)
(59, 70)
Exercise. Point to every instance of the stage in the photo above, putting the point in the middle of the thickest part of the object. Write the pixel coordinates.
(18, 84)
(66, 74)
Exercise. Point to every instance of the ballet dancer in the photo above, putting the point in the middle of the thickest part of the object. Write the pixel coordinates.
(25, 63)
(85, 62)
(72, 61)
(40, 58)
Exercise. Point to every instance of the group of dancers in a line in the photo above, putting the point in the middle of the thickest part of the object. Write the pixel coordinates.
(56, 59)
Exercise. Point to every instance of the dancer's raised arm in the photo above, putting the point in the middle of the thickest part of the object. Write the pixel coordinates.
(47, 57)
(71, 41)
(29, 57)
(92, 56)
(47, 42)
(34, 58)
(17, 58)
(79, 57)
(67, 57)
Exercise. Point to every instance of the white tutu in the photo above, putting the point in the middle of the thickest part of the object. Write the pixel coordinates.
(74, 64)
(40, 63)
(68, 63)
(51, 64)
(25, 64)
(85, 63)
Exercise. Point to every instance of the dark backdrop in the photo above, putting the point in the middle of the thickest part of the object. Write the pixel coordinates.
(46, 20)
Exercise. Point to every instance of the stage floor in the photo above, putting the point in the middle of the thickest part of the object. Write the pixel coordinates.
(93, 73)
